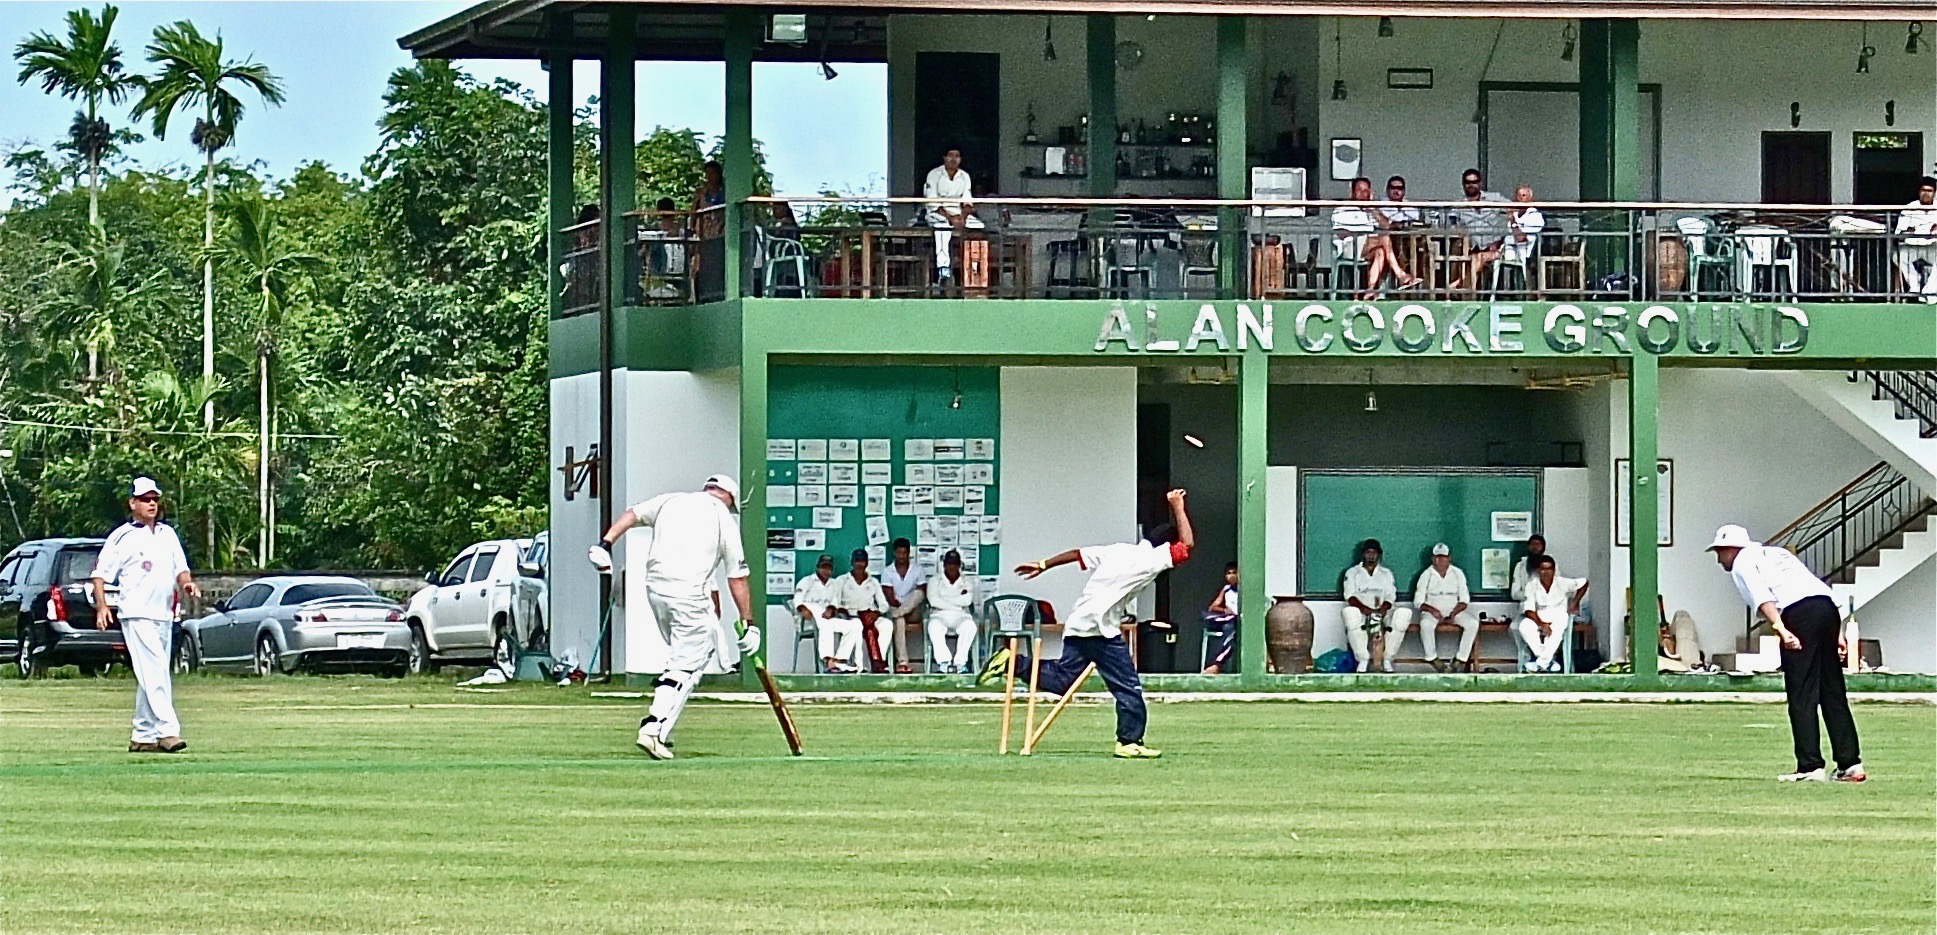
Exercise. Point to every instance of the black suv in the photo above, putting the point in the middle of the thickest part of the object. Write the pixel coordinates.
(47, 609)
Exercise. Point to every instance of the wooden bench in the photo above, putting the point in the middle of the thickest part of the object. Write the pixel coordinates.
(1489, 626)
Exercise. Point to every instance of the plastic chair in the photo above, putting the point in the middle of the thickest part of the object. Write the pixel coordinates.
(1010, 615)
(1767, 248)
(1067, 265)
(809, 632)
(1125, 260)
(1570, 258)
(1708, 251)
(1519, 268)
(1199, 260)
(783, 253)
(1349, 271)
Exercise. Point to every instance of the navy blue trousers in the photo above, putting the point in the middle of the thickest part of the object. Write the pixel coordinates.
(1112, 657)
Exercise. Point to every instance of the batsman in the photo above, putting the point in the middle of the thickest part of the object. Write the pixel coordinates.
(1093, 633)
(693, 534)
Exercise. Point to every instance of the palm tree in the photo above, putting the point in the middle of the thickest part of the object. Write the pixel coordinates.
(85, 65)
(194, 74)
(274, 267)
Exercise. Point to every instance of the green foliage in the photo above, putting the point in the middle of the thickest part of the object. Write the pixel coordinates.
(194, 74)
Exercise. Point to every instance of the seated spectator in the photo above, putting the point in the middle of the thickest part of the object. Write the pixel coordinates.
(902, 583)
(666, 255)
(1221, 620)
(952, 598)
(1359, 234)
(953, 213)
(1917, 250)
(839, 637)
(857, 596)
(1547, 614)
(1441, 596)
(1486, 228)
(1523, 569)
(708, 224)
(1523, 228)
(1681, 646)
(1399, 216)
(1370, 594)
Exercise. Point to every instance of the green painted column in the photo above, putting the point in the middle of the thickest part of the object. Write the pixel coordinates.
(736, 157)
(1610, 141)
(558, 153)
(1254, 384)
(1644, 557)
(1233, 134)
(1103, 117)
(753, 485)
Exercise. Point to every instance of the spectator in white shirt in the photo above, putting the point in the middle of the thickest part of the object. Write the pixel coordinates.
(1523, 569)
(857, 596)
(1370, 598)
(1221, 621)
(1398, 215)
(1802, 609)
(1359, 234)
(951, 598)
(1442, 597)
(1523, 229)
(902, 583)
(949, 209)
(1547, 614)
(838, 637)
(1917, 247)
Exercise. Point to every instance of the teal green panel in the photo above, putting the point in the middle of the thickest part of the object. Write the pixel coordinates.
(1407, 512)
(895, 403)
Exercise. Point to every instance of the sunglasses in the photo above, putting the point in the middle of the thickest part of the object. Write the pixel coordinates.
(149, 498)
(1469, 181)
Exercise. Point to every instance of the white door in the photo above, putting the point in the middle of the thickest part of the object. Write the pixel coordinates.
(468, 626)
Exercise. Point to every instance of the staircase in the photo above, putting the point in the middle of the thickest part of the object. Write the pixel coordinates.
(1882, 525)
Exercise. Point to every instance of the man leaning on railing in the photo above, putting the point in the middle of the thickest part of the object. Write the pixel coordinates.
(1917, 251)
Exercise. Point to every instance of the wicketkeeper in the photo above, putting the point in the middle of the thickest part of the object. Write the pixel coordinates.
(1093, 632)
(693, 534)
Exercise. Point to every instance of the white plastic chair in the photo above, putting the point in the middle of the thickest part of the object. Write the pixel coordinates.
(1764, 247)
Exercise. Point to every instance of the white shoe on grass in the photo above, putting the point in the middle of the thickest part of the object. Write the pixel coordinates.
(650, 742)
(1854, 774)
(1814, 775)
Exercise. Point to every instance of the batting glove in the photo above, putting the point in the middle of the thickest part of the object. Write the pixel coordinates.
(601, 559)
(749, 640)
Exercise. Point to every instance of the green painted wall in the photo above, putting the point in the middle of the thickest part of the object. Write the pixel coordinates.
(892, 403)
(1407, 513)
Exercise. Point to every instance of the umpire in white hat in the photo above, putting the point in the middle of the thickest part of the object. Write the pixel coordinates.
(1802, 609)
(144, 559)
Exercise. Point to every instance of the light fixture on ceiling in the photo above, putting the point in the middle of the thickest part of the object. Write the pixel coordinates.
(956, 401)
(1915, 40)
(1193, 440)
(1889, 113)
(1567, 39)
(787, 29)
(1795, 114)
(1048, 38)
(1866, 53)
(1371, 394)
(827, 71)
(1338, 62)
(1151, 18)
(1385, 27)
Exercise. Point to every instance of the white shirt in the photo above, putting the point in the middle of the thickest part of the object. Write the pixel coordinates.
(144, 563)
(1347, 221)
(693, 534)
(1230, 594)
(1920, 219)
(952, 191)
(1522, 573)
(1118, 572)
(1550, 604)
(1441, 592)
(904, 584)
(1528, 221)
(1765, 573)
(856, 596)
(1398, 215)
(814, 594)
(958, 595)
(1372, 588)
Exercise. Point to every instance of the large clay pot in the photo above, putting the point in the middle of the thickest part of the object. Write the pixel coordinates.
(1288, 636)
(1671, 264)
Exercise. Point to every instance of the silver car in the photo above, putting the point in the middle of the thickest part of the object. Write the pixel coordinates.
(283, 623)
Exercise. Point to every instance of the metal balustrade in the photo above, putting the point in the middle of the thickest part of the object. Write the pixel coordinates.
(1914, 392)
(1844, 532)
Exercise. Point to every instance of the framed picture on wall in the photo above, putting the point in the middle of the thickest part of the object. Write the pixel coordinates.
(1664, 502)
(1348, 153)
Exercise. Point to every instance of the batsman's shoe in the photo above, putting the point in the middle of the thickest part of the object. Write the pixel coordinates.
(1136, 751)
(171, 745)
(993, 669)
(1854, 774)
(143, 746)
(655, 747)
(1814, 775)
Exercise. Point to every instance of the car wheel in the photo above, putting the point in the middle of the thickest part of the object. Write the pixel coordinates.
(188, 657)
(25, 662)
(420, 661)
(541, 641)
(266, 663)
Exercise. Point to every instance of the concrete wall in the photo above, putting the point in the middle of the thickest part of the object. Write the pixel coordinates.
(1904, 618)
(574, 586)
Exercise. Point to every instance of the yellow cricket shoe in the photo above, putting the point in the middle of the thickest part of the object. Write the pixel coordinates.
(1136, 751)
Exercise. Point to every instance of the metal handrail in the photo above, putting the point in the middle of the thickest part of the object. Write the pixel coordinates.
(1825, 503)
(1340, 203)
(1915, 392)
(1854, 522)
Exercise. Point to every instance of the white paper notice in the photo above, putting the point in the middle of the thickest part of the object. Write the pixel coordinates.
(877, 472)
(877, 530)
(948, 449)
(780, 449)
(876, 449)
(948, 474)
(918, 449)
(925, 530)
(978, 474)
(920, 474)
(844, 473)
(991, 530)
(810, 495)
(780, 582)
(874, 501)
(843, 495)
(947, 529)
(811, 540)
(811, 472)
(970, 537)
(827, 517)
(948, 498)
(986, 585)
(780, 561)
(877, 555)
(903, 499)
(780, 495)
(923, 495)
(981, 449)
(843, 449)
(971, 561)
(811, 449)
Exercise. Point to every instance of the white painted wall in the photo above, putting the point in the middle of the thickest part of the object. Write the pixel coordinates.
(1068, 468)
(574, 587)
(1281, 531)
(1904, 619)
(1567, 521)
(678, 429)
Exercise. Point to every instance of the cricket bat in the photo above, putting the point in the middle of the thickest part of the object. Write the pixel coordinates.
(779, 706)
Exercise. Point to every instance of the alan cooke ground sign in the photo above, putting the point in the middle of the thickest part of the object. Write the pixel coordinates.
(1470, 328)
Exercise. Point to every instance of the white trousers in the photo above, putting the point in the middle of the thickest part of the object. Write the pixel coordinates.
(691, 628)
(943, 624)
(1469, 627)
(840, 639)
(910, 606)
(149, 642)
(1919, 281)
(944, 225)
(1545, 651)
(1396, 621)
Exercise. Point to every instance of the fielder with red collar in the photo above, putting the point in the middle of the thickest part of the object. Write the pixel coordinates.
(693, 535)
(144, 559)
(1092, 634)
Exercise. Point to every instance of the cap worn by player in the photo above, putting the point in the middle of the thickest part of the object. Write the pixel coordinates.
(144, 486)
(726, 483)
(1441, 549)
(1731, 537)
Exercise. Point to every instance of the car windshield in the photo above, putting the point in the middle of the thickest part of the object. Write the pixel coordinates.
(304, 593)
(75, 565)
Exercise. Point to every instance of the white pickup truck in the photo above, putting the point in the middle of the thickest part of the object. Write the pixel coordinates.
(481, 606)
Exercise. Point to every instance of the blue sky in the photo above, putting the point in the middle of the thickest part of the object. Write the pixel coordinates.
(334, 57)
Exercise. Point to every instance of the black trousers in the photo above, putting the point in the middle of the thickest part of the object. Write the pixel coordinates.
(1813, 678)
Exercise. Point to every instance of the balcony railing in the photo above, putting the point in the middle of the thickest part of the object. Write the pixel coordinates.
(1845, 531)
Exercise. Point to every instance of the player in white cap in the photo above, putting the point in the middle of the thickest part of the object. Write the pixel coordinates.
(693, 535)
(1441, 595)
(144, 559)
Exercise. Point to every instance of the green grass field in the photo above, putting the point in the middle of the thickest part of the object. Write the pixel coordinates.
(357, 805)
